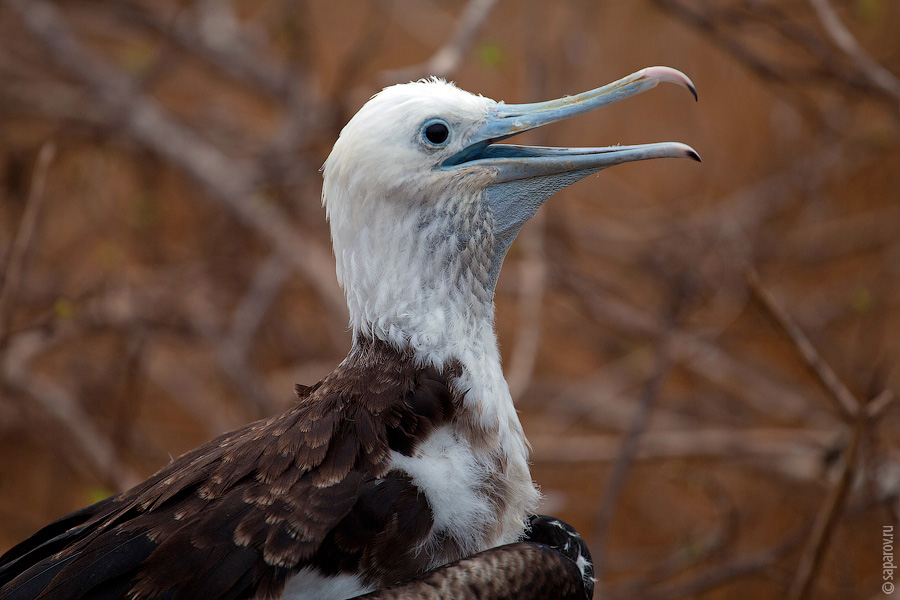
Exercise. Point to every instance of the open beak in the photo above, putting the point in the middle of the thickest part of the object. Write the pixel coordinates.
(524, 162)
(525, 176)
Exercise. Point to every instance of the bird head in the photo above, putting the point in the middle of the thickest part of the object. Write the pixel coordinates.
(423, 202)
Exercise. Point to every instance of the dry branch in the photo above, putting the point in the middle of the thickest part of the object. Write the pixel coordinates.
(268, 281)
(448, 57)
(58, 402)
(720, 575)
(827, 519)
(724, 26)
(772, 444)
(18, 256)
(844, 401)
(843, 39)
(615, 481)
(702, 357)
(229, 181)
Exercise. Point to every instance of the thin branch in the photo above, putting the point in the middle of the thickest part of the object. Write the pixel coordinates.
(615, 481)
(827, 518)
(723, 26)
(576, 401)
(268, 281)
(18, 256)
(844, 401)
(720, 575)
(449, 57)
(58, 402)
(843, 39)
(229, 181)
(773, 445)
(697, 354)
(880, 403)
(692, 553)
(231, 357)
(707, 23)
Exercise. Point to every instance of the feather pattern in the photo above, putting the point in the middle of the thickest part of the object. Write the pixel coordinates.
(312, 487)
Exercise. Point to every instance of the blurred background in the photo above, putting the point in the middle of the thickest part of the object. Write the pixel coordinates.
(705, 356)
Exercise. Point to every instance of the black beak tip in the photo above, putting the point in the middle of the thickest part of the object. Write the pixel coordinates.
(694, 92)
(692, 154)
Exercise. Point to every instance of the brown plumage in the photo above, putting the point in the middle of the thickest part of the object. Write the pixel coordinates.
(552, 562)
(511, 572)
(309, 487)
(410, 454)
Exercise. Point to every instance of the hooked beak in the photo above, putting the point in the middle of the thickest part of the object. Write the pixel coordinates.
(513, 162)
(525, 176)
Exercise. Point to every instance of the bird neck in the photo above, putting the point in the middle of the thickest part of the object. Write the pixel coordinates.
(433, 300)
(416, 270)
(444, 326)
(417, 273)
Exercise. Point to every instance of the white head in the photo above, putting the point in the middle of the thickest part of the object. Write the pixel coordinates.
(423, 205)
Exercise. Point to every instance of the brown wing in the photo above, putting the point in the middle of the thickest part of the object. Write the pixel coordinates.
(237, 516)
(553, 561)
(522, 571)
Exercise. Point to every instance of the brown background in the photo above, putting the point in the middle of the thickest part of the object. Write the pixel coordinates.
(165, 269)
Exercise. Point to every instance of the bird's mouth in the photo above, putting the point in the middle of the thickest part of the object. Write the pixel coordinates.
(513, 163)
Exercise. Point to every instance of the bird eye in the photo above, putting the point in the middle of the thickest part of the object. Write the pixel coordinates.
(437, 132)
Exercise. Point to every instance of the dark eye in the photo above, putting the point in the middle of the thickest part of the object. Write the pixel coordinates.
(436, 132)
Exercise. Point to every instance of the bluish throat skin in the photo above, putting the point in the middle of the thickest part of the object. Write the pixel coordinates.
(410, 455)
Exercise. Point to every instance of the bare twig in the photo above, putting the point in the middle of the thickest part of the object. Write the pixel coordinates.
(709, 23)
(827, 518)
(877, 405)
(613, 382)
(58, 402)
(18, 256)
(231, 357)
(448, 58)
(209, 31)
(721, 574)
(844, 401)
(227, 180)
(850, 409)
(694, 552)
(797, 453)
(187, 389)
(695, 353)
(267, 283)
(844, 40)
(615, 481)
(724, 26)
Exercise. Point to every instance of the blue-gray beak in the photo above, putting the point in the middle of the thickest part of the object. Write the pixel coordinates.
(521, 162)
(527, 175)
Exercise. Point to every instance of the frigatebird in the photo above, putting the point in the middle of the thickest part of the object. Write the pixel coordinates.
(410, 454)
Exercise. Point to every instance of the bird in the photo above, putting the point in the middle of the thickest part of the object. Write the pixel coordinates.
(409, 455)
(553, 561)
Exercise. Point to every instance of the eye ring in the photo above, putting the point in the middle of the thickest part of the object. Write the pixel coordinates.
(436, 132)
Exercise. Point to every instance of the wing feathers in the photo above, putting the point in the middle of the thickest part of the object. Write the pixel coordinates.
(235, 517)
